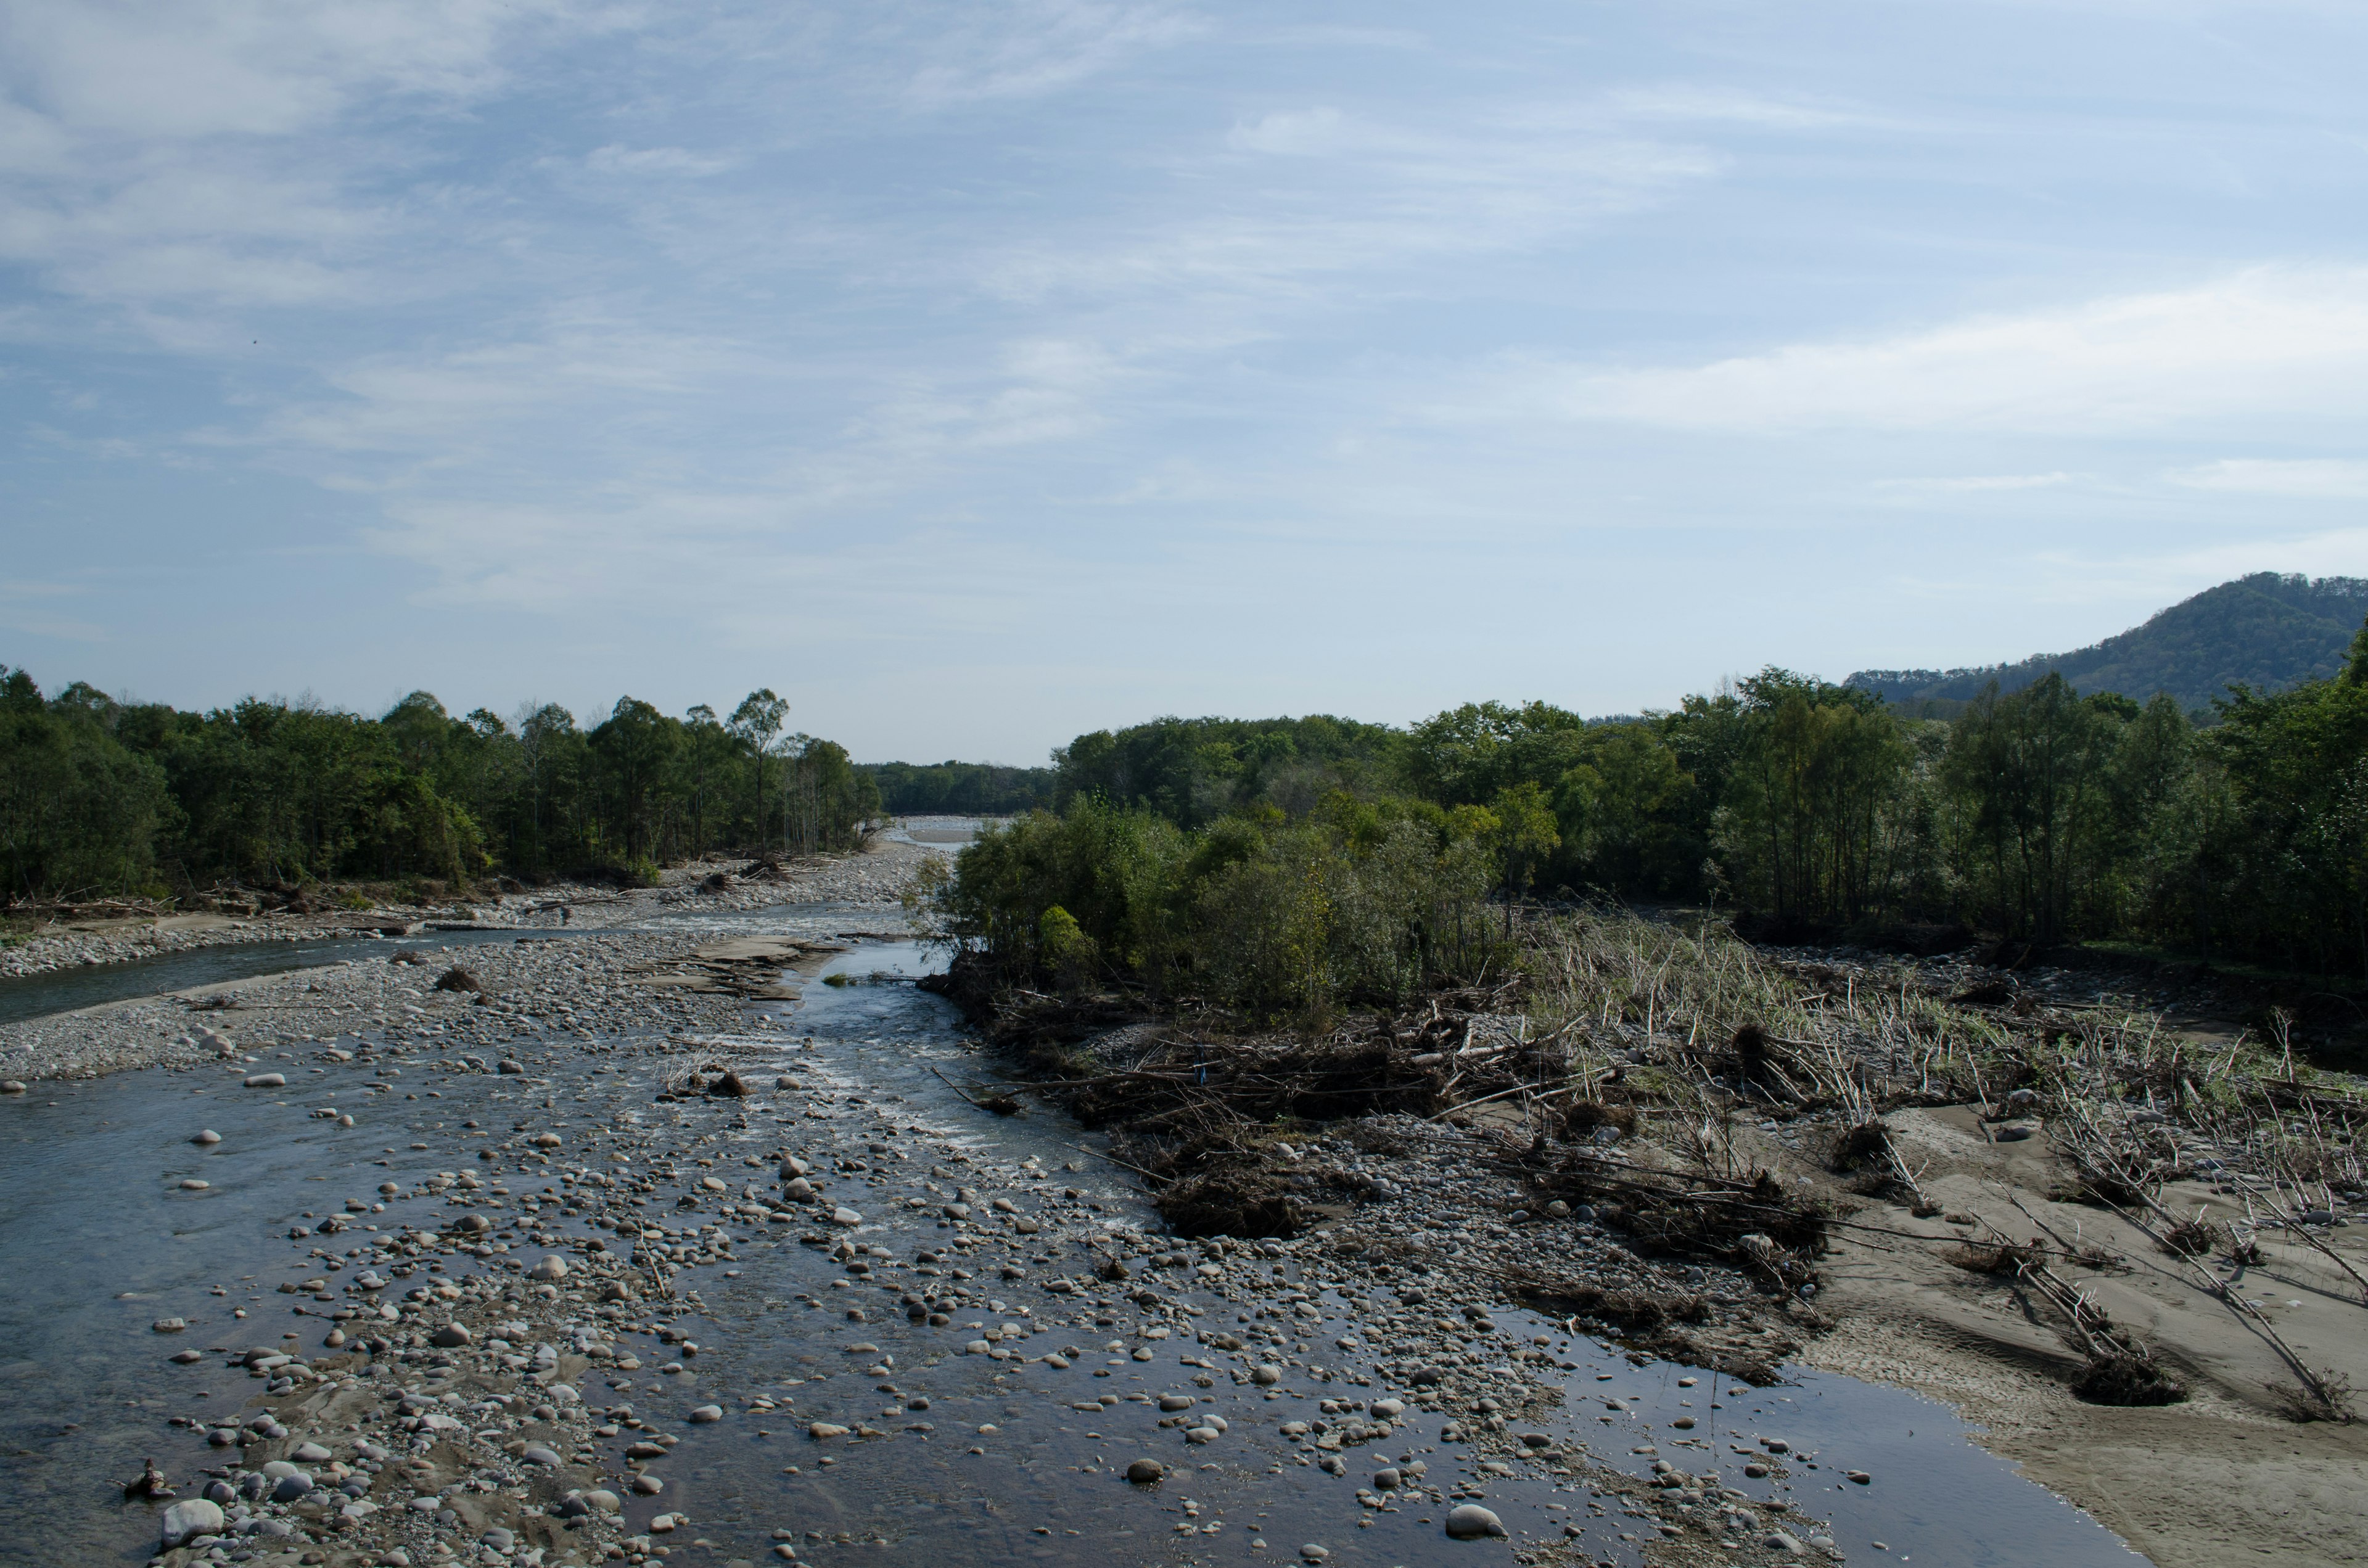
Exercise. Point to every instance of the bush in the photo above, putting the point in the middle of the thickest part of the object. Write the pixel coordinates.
(1254, 912)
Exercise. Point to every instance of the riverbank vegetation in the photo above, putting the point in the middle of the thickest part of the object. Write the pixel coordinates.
(1245, 853)
(100, 797)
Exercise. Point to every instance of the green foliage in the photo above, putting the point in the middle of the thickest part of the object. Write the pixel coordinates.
(1256, 911)
(1192, 771)
(78, 809)
(1808, 822)
(99, 796)
(959, 789)
(2037, 813)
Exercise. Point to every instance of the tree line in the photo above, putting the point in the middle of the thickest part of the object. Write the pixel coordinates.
(2041, 814)
(959, 789)
(99, 796)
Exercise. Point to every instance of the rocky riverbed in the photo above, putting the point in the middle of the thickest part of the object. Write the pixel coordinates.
(680, 1243)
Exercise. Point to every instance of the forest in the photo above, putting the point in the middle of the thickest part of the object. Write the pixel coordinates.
(959, 789)
(99, 797)
(1313, 861)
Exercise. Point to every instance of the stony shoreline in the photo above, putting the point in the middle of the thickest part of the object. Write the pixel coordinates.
(877, 875)
(486, 1358)
(199, 1024)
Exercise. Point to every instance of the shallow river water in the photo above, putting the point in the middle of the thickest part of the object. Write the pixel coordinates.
(97, 1243)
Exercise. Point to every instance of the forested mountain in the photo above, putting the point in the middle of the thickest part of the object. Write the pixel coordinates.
(2266, 632)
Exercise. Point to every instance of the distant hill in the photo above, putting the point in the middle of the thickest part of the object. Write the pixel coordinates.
(2267, 631)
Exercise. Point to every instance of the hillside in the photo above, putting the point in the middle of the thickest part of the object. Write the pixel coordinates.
(2267, 631)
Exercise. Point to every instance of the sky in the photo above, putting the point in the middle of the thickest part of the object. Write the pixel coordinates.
(979, 374)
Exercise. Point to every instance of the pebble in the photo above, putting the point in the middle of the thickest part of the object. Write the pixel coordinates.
(310, 1453)
(195, 1184)
(1469, 1521)
(1777, 1540)
(550, 1268)
(707, 1412)
(452, 1336)
(540, 1453)
(266, 1080)
(1144, 1471)
(172, 1326)
(208, 1136)
(1315, 1552)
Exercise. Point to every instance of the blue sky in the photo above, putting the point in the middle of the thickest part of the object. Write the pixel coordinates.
(981, 373)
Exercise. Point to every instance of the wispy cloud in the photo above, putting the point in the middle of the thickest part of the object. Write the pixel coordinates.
(1977, 483)
(2264, 342)
(2340, 479)
(1017, 49)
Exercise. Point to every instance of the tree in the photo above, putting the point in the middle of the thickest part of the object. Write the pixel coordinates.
(754, 724)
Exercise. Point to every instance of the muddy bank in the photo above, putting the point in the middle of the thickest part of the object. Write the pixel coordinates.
(2120, 1234)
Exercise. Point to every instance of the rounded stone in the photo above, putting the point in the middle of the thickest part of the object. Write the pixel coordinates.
(195, 1184)
(1142, 1472)
(707, 1412)
(648, 1485)
(845, 1217)
(1469, 1521)
(452, 1336)
(1266, 1376)
(552, 1267)
(208, 1136)
(190, 1516)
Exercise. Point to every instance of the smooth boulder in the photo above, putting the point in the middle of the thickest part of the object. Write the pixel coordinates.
(1469, 1521)
(190, 1517)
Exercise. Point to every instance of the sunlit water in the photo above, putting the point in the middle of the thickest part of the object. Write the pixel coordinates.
(89, 1213)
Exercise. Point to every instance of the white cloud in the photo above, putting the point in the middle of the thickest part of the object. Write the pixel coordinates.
(676, 161)
(1313, 194)
(1027, 48)
(1974, 483)
(2311, 478)
(1685, 101)
(2269, 340)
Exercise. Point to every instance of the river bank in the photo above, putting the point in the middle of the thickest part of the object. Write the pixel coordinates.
(202, 1022)
(729, 883)
(551, 1287)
